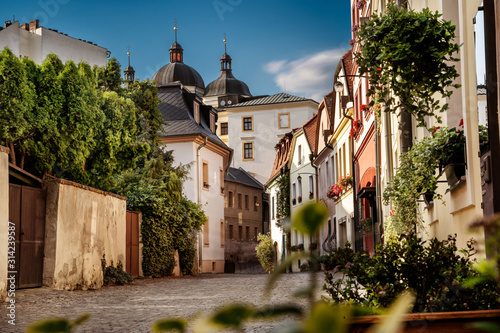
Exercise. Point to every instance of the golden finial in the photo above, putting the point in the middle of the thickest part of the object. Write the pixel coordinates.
(175, 29)
(225, 50)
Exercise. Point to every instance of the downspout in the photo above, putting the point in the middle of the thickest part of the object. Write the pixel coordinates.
(311, 159)
(200, 234)
(353, 173)
(388, 150)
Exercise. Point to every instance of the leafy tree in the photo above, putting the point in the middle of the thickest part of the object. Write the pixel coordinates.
(170, 221)
(117, 147)
(81, 119)
(46, 143)
(17, 98)
(112, 75)
(408, 54)
(149, 120)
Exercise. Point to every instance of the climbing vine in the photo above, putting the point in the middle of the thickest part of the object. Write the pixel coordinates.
(283, 199)
(408, 55)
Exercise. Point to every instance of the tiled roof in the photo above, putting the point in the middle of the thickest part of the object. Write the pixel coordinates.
(178, 115)
(329, 102)
(242, 177)
(282, 155)
(310, 130)
(348, 65)
(273, 99)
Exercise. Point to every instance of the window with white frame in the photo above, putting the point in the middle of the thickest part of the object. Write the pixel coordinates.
(299, 185)
(327, 170)
(197, 112)
(311, 186)
(294, 191)
(299, 155)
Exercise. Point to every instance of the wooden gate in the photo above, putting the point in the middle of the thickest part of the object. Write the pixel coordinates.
(27, 212)
(132, 265)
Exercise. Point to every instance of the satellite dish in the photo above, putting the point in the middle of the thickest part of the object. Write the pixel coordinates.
(222, 103)
(229, 102)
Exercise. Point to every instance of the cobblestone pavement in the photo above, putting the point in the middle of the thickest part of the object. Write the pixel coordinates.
(135, 307)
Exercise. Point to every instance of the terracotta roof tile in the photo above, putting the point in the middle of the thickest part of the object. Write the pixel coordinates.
(311, 132)
(348, 65)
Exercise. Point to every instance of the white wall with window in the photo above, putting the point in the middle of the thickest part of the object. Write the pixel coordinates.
(265, 125)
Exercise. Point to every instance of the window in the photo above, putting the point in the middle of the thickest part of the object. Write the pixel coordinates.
(248, 233)
(284, 120)
(212, 122)
(230, 199)
(300, 189)
(255, 204)
(239, 200)
(206, 240)
(333, 169)
(222, 233)
(240, 232)
(294, 192)
(197, 112)
(256, 232)
(246, 202)
(327, 170)
(248, 151)
(247, 124)
(311, 187)
(205, 175)
(223, 128)
(231, 231)
(299, 155)
(273, 207)
(343, 160)
(337, 165)
(221, 177)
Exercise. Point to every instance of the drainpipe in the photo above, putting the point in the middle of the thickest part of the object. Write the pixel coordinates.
(388, 150)
(200, 234)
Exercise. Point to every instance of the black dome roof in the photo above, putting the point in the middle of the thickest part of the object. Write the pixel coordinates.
(179, 71)
(227, 84)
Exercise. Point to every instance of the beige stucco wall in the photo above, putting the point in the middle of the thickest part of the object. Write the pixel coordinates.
(82, 225)
(4, 218)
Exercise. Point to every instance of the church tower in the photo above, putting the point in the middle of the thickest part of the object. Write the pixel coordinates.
(129, 72)
(227, 89)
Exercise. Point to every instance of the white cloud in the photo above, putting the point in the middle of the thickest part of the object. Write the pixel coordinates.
(310, 76)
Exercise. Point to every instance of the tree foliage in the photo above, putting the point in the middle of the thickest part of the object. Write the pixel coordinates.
(170, 221)
(282, 199)
(408, 54)
(56, 121)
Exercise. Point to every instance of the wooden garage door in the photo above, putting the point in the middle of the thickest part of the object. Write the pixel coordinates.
(27, 213)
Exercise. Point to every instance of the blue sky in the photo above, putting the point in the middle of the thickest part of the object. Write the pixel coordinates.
(276, 46)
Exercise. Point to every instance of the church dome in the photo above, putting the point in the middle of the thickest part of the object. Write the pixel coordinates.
(226, 83)
(177, 70)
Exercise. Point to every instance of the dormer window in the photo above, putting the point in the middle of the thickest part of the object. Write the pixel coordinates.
(197, 112)
(212, 122)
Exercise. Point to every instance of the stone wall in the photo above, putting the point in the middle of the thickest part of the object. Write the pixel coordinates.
(82, 225)
(4, 218)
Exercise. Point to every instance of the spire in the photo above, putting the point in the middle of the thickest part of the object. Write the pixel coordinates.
(175, 29)
(225, 60)
(129, 72)
(176, 54)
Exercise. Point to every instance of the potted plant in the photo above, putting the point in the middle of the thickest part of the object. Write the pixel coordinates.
(300, 199)
(294, 201)
(449, 149)
(311, 195)
(366, 224)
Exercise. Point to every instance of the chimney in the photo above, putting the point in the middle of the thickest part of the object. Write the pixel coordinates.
(25, 26)
(7, 23)
(34, 25)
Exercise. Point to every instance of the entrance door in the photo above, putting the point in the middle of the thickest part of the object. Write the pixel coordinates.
(132, 265)
(27, 213)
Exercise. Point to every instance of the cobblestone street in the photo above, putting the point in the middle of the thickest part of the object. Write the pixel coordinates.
(135, 307)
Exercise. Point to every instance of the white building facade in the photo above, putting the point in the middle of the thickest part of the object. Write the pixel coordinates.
(31, 40)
